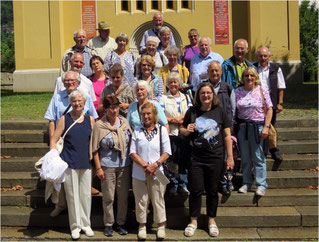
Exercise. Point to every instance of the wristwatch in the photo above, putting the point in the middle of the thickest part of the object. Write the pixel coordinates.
(158, 163)
(268, 125)
(281, 104)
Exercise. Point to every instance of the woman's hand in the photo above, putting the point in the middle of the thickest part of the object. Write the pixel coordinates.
(151, 169)
(100, 173)
(124, 105)
(264, 133)
(230, 163)
(191, 127)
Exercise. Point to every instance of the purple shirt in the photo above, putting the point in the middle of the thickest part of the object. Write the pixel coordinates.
(189, 53)
(250, 105)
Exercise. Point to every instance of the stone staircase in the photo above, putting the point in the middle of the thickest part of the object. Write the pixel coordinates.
(289, 210)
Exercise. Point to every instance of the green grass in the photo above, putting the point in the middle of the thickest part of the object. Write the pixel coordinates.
(299, 101)
(24, 105)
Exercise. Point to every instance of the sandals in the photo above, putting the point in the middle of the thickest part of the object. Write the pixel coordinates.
(213, 230)
(190, 230)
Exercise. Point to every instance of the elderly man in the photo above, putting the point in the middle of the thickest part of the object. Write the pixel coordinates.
(158, 21)
(200, 61)
(77, 63)
(271, 78)
(59, 106)
(235, 65)
(103, 44)
(80, 46)
(227, 99)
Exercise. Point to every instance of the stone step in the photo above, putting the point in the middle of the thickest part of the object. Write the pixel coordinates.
(291, 122)
(226, 234)
(228, 217)
(309, 133)
(24, 124)
(24, 136)
(290, 162)
(275, 179)
(273, 198)
(298, 147)
(24, 149)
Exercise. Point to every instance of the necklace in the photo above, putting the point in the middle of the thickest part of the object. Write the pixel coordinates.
(149, 135)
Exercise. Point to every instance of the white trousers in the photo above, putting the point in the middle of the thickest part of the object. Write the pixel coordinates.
(77, 187)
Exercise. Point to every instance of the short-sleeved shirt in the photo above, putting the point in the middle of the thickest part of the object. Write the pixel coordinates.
(134, 119)
(250, 105)
(110, 157)
(208, 138)
(59, 103)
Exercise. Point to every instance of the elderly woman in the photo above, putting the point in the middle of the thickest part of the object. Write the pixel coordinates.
(122, 91)
(254, 122)
(152, 43)
(172, 53)
(125, 58)
(150, 147)
(109, 145)
(208, 126)
(165, 36)
(75, 153)
(142, 90)
(147, 65)
(190, 50)
(99, 79)
(175, 104)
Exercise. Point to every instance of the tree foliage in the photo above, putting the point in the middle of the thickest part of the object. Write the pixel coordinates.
(308, 20)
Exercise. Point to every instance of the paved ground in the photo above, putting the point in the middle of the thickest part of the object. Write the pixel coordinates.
(238, 234)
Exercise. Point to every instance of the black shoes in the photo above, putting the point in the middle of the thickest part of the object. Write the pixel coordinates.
(183, 191)
(277, 157)
(108, 231)
(225, 191)
(121, 230)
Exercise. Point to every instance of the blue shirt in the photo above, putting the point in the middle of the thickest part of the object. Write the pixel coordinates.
(110, 157)
(198, 68)
(60, 101)
(86, 71)
(134, 119)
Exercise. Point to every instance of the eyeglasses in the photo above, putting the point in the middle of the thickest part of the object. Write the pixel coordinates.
(70, 80)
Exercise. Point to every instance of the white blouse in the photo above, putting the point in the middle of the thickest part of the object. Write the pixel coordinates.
(149, 151)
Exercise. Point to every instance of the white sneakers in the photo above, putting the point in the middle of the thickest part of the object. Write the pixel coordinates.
(260, 191)
(88, 232)
(142, 233)
(75, 234)
(243, 189)
(161, 232)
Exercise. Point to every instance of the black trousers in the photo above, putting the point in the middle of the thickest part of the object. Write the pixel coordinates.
(204, 176)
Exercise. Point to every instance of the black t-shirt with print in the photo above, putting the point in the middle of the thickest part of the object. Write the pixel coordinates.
(208, 138)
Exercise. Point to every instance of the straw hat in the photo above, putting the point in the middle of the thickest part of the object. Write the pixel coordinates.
(103, 25)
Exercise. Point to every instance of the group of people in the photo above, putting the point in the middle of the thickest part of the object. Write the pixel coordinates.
(133, 114)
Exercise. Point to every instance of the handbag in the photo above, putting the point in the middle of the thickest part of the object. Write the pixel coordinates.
(59, 147)
(167, 168)
(272, 133)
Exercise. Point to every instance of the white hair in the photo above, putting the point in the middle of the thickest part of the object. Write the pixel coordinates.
(174, 76)
(164, 29)
(143, 84)
(263, 47)
(204, 37)
(78, 78)
(152, 39)
(246, 42)
(77, 31)
(76, 93)
(172, 48)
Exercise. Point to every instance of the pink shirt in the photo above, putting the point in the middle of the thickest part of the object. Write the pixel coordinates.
(250, 105)
(98, 87)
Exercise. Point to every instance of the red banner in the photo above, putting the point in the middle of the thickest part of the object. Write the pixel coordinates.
(221, 22)
(89, 17)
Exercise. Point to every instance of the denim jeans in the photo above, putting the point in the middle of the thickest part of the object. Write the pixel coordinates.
(252, 156)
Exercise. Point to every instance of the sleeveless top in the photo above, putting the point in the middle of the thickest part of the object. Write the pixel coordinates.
(76, 143)
(189, 53)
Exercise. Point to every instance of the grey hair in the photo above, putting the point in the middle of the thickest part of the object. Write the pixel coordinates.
(172, 48)
(204, 37)
(172, 76)
(78, 53)
(76, 31)
(214, 62)
(155, 14)
(193, 31)
(164, 29)
(263, 47)
(246, 42)
(76, 93)
(122, 36)
(70, 72)
(142, 83)
(152, 39)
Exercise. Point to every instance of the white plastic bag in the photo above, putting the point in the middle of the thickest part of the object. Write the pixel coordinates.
(53, 168)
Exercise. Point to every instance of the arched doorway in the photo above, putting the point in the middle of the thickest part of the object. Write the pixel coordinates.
(139, 31)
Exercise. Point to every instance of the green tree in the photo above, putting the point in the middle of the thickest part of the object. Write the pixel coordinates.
(7, 37)
(308, 20)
